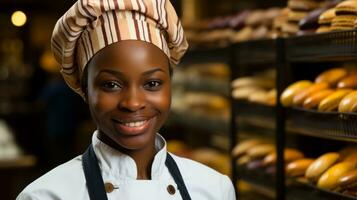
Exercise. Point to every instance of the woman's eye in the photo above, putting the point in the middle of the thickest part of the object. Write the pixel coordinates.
(152, 85)
(111, 85)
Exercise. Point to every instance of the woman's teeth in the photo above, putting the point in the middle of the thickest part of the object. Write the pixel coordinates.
(134, 124)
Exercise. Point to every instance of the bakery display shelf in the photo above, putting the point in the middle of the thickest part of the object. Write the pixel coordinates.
(206, 55)
(255, 52)
(332, 125)
(297, 190)
(258, 178)
(256, 115)
(332, 46)
(206, 85)
(199, 121)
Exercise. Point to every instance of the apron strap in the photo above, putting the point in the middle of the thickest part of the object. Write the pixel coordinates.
(94, 180)
(175, 172)
(95, 183)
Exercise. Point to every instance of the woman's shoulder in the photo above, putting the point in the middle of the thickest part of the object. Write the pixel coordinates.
(57, 182)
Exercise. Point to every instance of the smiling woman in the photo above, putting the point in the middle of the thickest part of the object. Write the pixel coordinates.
(118, 56)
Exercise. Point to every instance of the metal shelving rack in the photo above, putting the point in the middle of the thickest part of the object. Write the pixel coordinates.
(319, 48)
(262, 53)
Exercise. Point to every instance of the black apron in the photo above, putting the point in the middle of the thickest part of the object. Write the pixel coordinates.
(95, 183)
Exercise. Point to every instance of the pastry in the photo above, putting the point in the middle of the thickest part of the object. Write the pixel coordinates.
(320, 165)
(288, 94)
(349, 103)
(300, 97)
(343, 22)
(348, 180)
(331, 76)
(314, 99)
(332, 101)
(330, 179)
(346, 7)
(289, 155)
(348, 82)
(260, 151)
(304, 5)
(298, 167)
(242, 147)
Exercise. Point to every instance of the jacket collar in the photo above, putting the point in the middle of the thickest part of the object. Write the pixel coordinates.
(114, 163)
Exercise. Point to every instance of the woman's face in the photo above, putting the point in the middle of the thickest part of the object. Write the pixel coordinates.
(129, 92)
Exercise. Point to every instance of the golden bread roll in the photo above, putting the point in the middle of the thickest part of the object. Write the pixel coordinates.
(298, 167)
(288, 94)
(300, 97)
(296, 16)
(348, 103)
(244, 92)
(346, 7)
(330, 179)
(314, 99)
(323, 29)
(272, 97)
(260, 97)
(260, 151)
(242, 147)
(243, 160)
(326, 17)
(331, 76)
(349, 180)
(289, 155)
(332, 101)
(348, 82)
(253, 81)
(306, 5)
(320, 165)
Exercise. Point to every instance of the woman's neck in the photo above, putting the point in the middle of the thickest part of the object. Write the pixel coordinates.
(143, 157)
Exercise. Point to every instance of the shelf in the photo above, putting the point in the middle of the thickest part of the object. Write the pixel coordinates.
(256, 115)
(297, 190)
(341, 45)
(331, 125)
(260, 52)
(206, 55)
(206, 123)
(258, 178)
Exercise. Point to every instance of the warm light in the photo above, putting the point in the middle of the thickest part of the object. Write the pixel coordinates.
(18, 18)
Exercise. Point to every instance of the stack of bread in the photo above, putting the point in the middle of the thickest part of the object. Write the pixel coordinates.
(259, 88)
(346, 15)
(242, 26)
(335, 171)
(261, 154)
(332, 90)
(298, 9)
(325, 20)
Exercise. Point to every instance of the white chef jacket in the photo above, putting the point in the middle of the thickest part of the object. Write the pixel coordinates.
(67, 181)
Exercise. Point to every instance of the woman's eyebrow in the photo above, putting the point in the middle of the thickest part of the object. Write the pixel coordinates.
(153, 71)
(109, 71)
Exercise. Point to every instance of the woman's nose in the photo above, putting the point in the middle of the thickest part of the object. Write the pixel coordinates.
(132, 100)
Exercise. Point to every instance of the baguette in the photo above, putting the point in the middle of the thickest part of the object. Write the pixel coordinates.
(314, 100)
(288, 94)
(332, 101)
(348, 103)
(300, 97)
(331, 76)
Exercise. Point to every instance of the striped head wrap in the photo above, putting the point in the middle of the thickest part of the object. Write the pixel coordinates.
(90, 25)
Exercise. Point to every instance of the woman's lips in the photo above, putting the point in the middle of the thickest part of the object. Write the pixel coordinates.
(133, 127)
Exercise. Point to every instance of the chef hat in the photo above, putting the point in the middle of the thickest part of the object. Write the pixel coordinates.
(90, 25)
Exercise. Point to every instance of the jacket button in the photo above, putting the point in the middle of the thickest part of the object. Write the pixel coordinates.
(108, 187)
(171, 189)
